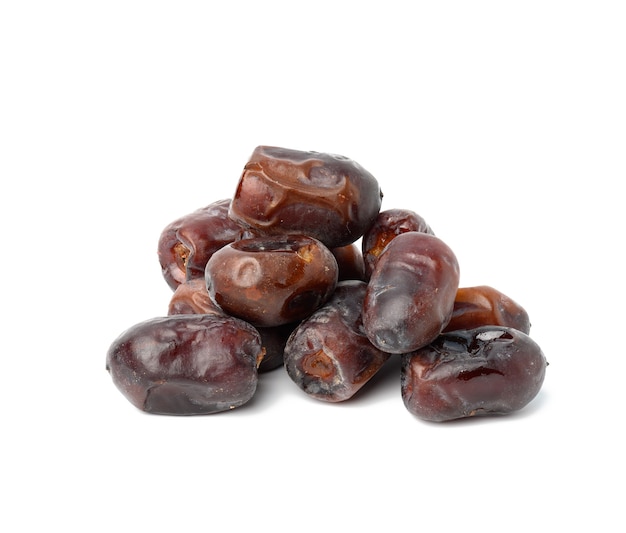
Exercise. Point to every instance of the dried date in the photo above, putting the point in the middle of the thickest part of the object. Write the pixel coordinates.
(271, 281)
(186, 364)
(485, 306)
(328, 197)
(328, 355)
(192, 297)
(485, 371)
(274, 339)
(350, 262)
(410, 294)
(186, 244)
(388, 225)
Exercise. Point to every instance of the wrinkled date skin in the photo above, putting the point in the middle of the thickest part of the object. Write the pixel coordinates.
(410, 295)
(186, 244)
(328, 197)
(485, 306)
(388, 225)
(485, 371)
(272, 281)
(186, 364)
(328, 355)
(192, 297)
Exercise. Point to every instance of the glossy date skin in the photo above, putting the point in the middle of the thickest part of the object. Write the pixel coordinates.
(491, 370)
(186, 244)
(186, 364)
(410, 294)
(483, 305)
(328, 355)
(388, 225)
(350, 262)
(192, 297)
(272, 281)
(326, 196)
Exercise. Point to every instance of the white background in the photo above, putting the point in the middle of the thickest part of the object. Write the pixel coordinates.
(501, 123)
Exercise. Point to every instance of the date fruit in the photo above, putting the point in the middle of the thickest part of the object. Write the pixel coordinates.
(186, 364)
(328, 355)
(274, 339)
(192, 297)
(410, 294)
(328, 197)
(186, 244)
(485, 306)
(388, 225)
(350, 262)
(271, 281)
(485, 371)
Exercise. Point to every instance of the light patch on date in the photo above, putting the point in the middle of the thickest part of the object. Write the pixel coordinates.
(490, 335)
(247, 273)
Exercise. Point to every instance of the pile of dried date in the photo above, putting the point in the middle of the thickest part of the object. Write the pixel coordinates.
(273, 277)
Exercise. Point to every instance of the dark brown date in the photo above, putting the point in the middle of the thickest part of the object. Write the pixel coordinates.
(328, 197)
(485, 371)
(186, 364)
(271, 281)
(274, 339)
(328, 355)
(192, 297)
(410, 295)
(388, 225)
(186, 244)
(485, 306)
(350, 262)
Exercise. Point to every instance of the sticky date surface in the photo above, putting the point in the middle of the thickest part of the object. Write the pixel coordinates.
(410, 295)
(387, 226)
(186, 244)
(328, 355)
(192, 297)
(485, 306)
(328, 197)
(186, 364)
(271, 281)
(488, 370)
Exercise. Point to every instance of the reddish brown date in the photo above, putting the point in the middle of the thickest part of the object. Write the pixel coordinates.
(350, 262)
(485, 306)
(328, 355)
(186, 244)
(271, 281)
(388, 225)
(186, 364)
(192, 297)
(328, 197)
(410, 295)
(486, 371)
